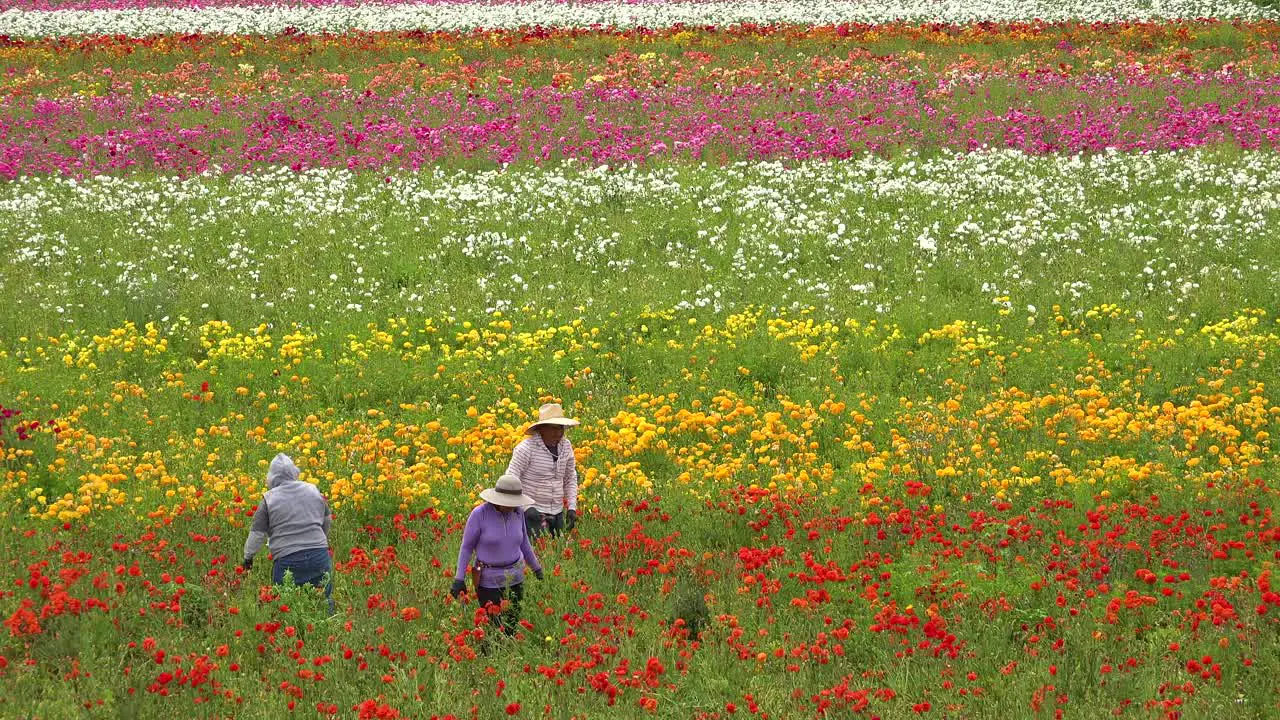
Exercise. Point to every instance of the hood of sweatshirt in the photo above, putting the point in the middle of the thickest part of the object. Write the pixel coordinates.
(282, 471)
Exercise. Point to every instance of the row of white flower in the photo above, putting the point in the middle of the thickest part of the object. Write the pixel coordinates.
(270, 19)
(1172, 231)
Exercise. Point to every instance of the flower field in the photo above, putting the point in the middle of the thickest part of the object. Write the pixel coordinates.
(927, 354)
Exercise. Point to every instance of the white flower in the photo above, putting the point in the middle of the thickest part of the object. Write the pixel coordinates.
(1041, 239)
(271, 19)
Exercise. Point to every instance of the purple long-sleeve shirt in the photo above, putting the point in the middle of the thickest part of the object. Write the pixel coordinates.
(500, 541)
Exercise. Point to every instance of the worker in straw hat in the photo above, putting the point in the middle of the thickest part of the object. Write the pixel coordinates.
(548, 472)
(496, 534)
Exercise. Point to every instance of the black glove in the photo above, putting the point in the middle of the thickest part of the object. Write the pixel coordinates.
(570, 519)
(538, 574)
(458, 587)
(247, 564)
(533, 517)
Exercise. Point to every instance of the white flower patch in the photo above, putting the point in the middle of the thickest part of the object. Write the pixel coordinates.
(271, 19)
(949, 234)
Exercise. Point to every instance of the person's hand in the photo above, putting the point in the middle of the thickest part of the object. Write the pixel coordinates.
(533, 516)
(538, 574)
(459, 586)
(571, 519)
(247, 564)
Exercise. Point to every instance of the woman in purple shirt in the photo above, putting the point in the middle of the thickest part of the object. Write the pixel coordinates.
(497, 535)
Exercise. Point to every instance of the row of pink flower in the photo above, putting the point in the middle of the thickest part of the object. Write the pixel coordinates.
(114, 134)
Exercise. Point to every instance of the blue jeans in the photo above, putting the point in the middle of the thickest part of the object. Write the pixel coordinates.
(309, 567)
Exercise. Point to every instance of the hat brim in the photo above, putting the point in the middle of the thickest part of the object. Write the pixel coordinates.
(563, 422)
(493, 496)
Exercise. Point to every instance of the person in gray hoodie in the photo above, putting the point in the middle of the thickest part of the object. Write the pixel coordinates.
(294, 518)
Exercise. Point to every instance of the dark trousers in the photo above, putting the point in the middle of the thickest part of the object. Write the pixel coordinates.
(507, 620)
(540, 523)
(309, 567)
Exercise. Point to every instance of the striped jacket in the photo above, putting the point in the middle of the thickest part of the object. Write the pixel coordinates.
(549, 481)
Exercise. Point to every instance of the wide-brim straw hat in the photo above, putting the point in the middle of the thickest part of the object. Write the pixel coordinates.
(551, 414)
(507, 493)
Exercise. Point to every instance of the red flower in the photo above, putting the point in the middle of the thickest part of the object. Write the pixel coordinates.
(513, 708)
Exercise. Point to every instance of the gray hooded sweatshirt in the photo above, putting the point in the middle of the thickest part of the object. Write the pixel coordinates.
(293, 515)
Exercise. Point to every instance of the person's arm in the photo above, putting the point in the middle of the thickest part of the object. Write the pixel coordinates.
(327, 523)
(571, 479)
(470, 538)
(519, 464)
(257, 532)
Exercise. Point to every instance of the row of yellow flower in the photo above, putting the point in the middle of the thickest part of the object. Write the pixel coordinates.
(147, 445)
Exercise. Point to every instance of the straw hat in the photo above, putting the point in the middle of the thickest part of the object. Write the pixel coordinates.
(507, 493)
(551, 414)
